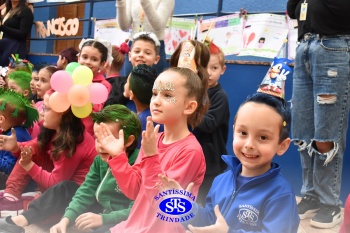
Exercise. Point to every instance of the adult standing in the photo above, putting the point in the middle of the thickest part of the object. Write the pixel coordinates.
(148, 16)
(15, 28)
(321, 91)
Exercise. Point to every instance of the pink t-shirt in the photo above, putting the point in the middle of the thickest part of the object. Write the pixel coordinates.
(182, 160)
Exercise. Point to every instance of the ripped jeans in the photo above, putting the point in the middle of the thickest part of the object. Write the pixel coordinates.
(320, 111)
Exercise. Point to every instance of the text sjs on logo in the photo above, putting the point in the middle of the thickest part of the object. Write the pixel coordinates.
(175, 206)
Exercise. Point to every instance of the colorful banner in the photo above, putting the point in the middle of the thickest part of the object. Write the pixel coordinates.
(264, 35)
(176, 31)
(225, 32)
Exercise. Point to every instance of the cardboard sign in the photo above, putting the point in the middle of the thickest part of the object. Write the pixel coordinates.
(59, 27)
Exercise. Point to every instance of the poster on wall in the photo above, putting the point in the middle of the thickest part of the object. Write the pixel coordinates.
(264, 35)
(110, 31)
(176, 31)
(225, 32)
(292, 37)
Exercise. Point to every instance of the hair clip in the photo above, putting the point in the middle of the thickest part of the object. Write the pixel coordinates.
(151, 35)
(186, 57)
(105, 43)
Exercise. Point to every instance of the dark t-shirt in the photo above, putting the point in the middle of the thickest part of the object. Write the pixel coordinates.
(324, 17)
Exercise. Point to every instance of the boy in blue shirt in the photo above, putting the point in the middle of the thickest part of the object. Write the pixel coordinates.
(252, 194)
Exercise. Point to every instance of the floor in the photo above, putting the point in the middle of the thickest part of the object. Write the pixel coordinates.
(304, 227)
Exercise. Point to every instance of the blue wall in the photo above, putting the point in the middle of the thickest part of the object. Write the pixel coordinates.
(239, 81)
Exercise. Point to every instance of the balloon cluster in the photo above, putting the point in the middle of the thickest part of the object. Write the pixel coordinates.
(74, 88)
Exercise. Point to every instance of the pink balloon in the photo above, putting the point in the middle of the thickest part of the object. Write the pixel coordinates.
(61, 81)
(98, 93)
(78, 95)
(59, 102)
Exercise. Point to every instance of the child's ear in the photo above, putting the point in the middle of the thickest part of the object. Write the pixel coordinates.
(191, 107)
(283, 146)
(26, 93)
(129, 55)
(2, 119)
(156, 60)
(223, 70)
(130, 140)
(102, 64)
(131, 95)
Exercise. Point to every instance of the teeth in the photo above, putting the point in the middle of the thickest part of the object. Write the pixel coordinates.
(250, 156)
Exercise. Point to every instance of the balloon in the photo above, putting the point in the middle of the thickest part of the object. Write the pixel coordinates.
(71, 66)
(78, 95)
(61, 81)
(82, 111)
(98, 93)
(59, 102)
(82, 75)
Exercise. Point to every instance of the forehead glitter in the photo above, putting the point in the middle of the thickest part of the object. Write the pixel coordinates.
(168, 86)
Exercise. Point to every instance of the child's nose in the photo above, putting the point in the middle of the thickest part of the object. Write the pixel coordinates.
(249, 143)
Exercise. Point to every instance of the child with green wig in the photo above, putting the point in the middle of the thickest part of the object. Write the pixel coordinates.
(15, 112)
(19, 81)
(112, 205)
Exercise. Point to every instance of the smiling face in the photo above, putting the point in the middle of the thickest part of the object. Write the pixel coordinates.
(143, 52)
(91, 57)
(114, 128)
(257, 131)
(43, 84)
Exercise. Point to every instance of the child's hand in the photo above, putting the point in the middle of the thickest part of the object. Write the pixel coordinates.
(167, 184)
(88, 220)
(219, 227)
(107, 143)
(149, 138)
(60, 227)
(9, 143)
(26, 158)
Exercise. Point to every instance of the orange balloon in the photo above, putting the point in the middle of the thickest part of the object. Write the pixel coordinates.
(78, 95)
(58, 102)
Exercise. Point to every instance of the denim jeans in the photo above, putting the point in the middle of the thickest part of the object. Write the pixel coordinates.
(321, 68)
(159, 67)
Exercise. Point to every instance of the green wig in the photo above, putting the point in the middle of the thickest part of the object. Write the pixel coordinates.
(22, 79)
(128, 121)
(18, 108)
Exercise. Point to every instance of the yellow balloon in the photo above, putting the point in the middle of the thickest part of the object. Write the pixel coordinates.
(82, 111)
(82, 75)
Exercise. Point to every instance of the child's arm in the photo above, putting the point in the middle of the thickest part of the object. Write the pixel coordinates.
(128, 177)
(124, 16)
(158, 17)
(281, 215)
(64, 168)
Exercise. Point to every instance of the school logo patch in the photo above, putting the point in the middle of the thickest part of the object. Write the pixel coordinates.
(248, 214)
